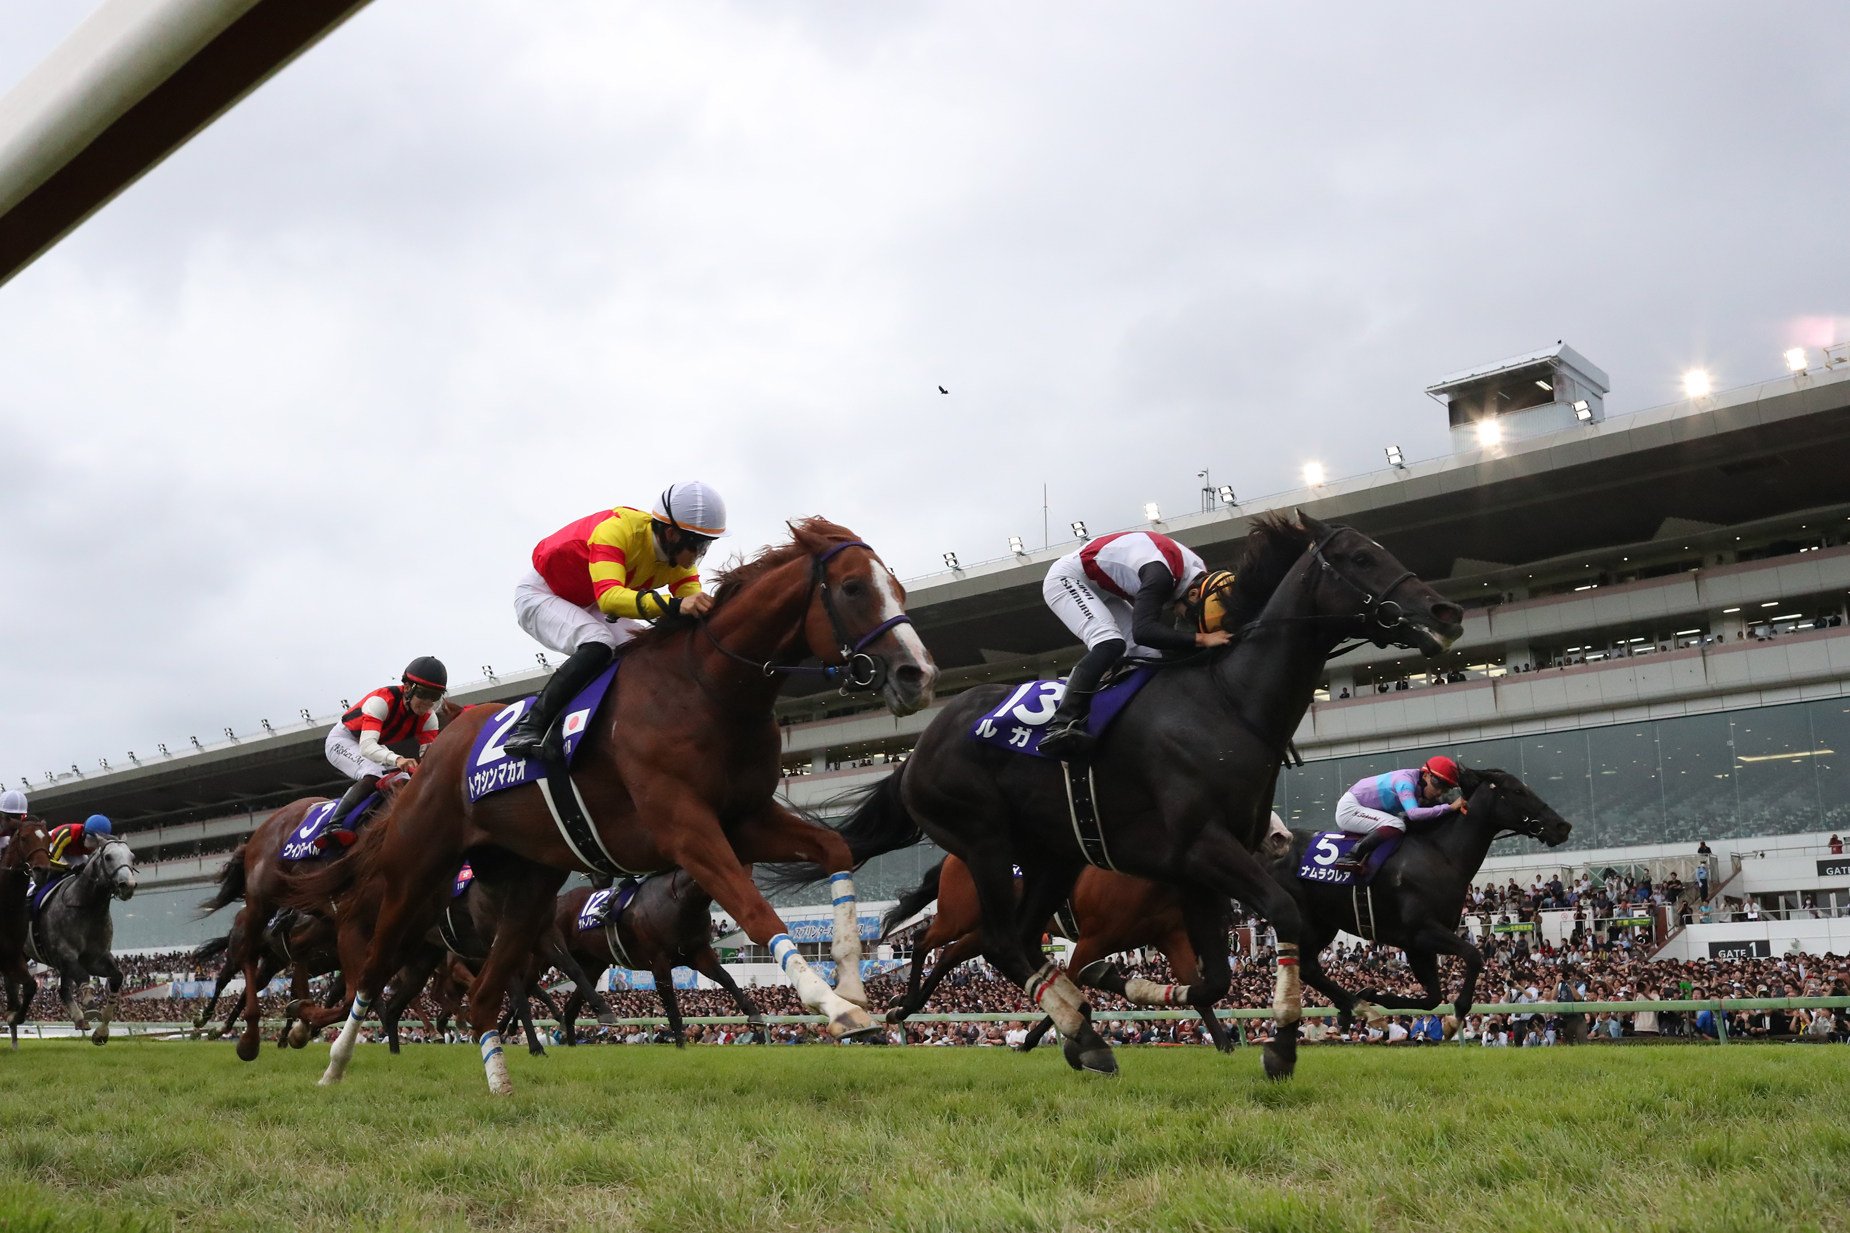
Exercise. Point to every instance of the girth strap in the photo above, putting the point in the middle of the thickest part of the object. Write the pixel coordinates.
(1082, 807)
(573, 819)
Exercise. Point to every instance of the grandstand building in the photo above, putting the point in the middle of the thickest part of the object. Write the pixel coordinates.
(1655, 641)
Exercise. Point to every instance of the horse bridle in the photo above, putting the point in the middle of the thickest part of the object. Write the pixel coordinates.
(1375, 608)
(1529, 826)
(860, 670)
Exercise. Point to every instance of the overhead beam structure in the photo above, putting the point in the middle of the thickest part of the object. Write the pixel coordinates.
(130, 86)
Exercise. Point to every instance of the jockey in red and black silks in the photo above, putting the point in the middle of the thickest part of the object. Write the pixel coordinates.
(368, 741)
(1117, 593)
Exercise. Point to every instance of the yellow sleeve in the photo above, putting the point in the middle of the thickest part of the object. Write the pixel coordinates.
(612, 546)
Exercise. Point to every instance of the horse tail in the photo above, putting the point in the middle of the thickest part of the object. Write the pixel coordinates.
(214, 948)
(877, 824)
(230, 885)
(912, 902)
(350, 882)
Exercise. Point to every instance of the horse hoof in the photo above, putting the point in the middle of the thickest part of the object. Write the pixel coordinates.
(896, 1014)
(247, 1050)
(298, 1036)
(1090, 1059)
(608, 1018)
(851, 1024)
(328, 1079)
(1279, 1065)
(215, 1033)
(1095, 973)
(99, 1038)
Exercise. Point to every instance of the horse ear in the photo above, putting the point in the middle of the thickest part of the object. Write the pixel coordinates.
(1312, 526)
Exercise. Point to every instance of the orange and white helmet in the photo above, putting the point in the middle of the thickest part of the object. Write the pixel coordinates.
(692, 507)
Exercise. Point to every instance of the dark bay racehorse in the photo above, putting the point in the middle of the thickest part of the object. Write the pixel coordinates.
(666, 926)
(1419, 896)
(465, 933)
(1184, 780)
(1415, 903)
(299, 943)
(72, 933)
(681, 770)
(28, 848)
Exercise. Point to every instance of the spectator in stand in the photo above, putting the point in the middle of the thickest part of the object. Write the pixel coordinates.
(1837, 846)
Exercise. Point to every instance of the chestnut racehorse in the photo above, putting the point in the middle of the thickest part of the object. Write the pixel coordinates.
(28, 848)
(257, 873)
(680, 769)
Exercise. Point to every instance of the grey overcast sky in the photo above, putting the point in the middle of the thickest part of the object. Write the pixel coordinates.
(297, 406)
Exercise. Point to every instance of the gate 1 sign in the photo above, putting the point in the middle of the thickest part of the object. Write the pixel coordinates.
(1756, 949)
(1834, 867)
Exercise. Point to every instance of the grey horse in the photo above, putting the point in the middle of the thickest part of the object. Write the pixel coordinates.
(72, 932)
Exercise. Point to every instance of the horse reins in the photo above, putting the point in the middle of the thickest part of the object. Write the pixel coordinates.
(860, 670)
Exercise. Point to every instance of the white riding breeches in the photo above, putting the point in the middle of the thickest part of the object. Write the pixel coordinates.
(1354, 818)
(1093, 615)
(560, 625)
(343, 750)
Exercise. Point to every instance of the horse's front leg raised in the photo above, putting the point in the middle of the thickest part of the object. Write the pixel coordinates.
(950, 958)
(105, 965)
(690, 836)
(780, 834)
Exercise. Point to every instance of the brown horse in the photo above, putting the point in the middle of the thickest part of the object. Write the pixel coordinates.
(257, 873)
(667, 925)
(464, 935)
(1107, 914)
(680, 769)
(28, 848)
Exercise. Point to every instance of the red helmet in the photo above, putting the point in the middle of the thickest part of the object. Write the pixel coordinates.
(1442, 768)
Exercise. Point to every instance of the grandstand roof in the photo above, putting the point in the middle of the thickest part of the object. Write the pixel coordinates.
(1696, 473)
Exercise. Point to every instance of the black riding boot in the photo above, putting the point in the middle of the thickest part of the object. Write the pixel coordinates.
(529, 735)
(337, 830)
(1067, 738)
(1357, 860)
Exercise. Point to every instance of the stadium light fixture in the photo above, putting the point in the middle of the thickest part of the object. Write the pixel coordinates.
(196, 744)
(1151, 512)
(1697, 383)
(1079, 529)
(1016, 547)
(230, 735)
(266, 727)
(1395, 457)
(950, 560)
(545, 666)
(75, 771)
(163, 748)
(1313, 473)
(1489, 433)
(1225, 492)
(1583, 411)
(103, 762)
(133, 758)
(306, 717)
(1545, 385)
(1795, 359)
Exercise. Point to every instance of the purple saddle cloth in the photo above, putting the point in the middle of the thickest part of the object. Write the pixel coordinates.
(1021, 720)
(1327, 847)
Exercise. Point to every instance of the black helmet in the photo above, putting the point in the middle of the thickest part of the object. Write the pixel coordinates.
(428, 671)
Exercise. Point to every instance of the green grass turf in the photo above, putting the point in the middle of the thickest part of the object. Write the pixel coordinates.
(143, 1134)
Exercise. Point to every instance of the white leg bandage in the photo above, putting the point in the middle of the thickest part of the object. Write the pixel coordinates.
(1288, 993)
(494, 1064)
(1058, 998)
(844, 1016)
(845, 949)
(1141, 992)
(342, 1051)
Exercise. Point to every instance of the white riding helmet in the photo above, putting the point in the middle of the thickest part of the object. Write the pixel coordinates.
(13, 802)
(692, 507)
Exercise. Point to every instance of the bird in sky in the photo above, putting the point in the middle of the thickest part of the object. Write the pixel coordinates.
(942, 390)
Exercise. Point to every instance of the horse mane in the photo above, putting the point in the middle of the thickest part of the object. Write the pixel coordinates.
(1273, 546)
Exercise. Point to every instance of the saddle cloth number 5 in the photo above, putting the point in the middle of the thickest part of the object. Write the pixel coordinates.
(1327, 851)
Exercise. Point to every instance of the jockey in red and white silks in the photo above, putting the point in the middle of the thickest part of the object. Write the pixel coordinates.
(1117, 593)
(364, 742)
